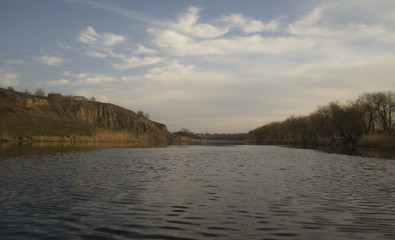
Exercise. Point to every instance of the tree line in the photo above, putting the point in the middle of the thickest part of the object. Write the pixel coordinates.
(231, 137)
(345, 123)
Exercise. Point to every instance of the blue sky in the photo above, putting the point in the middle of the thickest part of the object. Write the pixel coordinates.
(209, 66)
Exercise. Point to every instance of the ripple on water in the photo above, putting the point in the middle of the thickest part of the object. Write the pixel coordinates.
(195, 192)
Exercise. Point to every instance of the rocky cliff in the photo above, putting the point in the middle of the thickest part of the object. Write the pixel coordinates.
(72, 116)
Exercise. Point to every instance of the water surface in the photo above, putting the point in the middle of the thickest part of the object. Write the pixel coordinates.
(196, 192)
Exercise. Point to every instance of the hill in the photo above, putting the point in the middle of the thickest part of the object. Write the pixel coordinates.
(25, 117)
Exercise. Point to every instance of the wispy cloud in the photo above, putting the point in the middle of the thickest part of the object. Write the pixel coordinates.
(91, 37)
(58, 82)
(8, 79)
(316, 25)
(189, 37)
(79, 79)
(249, 26)
(120, 11)
(98, 78)
(95, 54)
(90, 78)
(48, 60)
(187, 23)
(134, 61)
(144, 50)
(175, 72)
(105, 45)
(90, 93)
(99, 45)
(14, 61)
(174, 43)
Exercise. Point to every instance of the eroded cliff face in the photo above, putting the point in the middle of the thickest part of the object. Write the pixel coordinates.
(77, 109)
(108, 115)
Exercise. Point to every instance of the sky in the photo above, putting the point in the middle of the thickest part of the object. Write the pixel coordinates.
(215, 66)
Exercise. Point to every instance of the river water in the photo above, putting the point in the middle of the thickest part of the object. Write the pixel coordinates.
(196, 192)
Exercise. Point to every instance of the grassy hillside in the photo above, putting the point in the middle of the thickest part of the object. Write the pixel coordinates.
(25, 117)
(28, 126)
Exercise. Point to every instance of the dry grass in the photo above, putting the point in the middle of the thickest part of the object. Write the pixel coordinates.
(103, 135)
(377, 141)
(24, 128)
(187, 140)
(5, 137)
(100, 135)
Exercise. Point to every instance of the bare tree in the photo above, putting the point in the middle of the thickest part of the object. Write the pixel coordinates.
(39, 92)
(367, 105)
(384, 104)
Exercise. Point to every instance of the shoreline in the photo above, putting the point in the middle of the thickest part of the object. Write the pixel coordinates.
(15, 146)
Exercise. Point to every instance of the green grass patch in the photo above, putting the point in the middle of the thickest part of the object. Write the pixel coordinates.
(21, 125)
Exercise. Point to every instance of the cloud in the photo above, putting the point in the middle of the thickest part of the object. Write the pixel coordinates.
(58, 82)
(90, 78)
(259, 44)
(257, 26)
(134, 61)
(88, 36)
(48, 60)
(318, 24)
(307, 25)
(188, 37)
(91, 37)
(110, 39)
(98, 78)
(105, 46)
(100, 45)
(8, 78)
(78, 79)
(120, 11)
(14, 61)
(64, 45)
(177, 44)
(144, 50)
(175, 72)
(79, 75)
(95, 54)
(89, 93)
(187, 24)
(249, 26)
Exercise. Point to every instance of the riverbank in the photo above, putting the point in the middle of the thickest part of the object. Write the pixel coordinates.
(97, 136)
(380, 142)
(369, 148)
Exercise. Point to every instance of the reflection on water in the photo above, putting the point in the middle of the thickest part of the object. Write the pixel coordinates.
(362, 152)
(197, 192)
(8, 150)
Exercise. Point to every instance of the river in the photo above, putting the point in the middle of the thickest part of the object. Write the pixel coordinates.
(195, 192)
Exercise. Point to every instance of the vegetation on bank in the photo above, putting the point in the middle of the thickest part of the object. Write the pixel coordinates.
(366, 122)
(225, 137)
